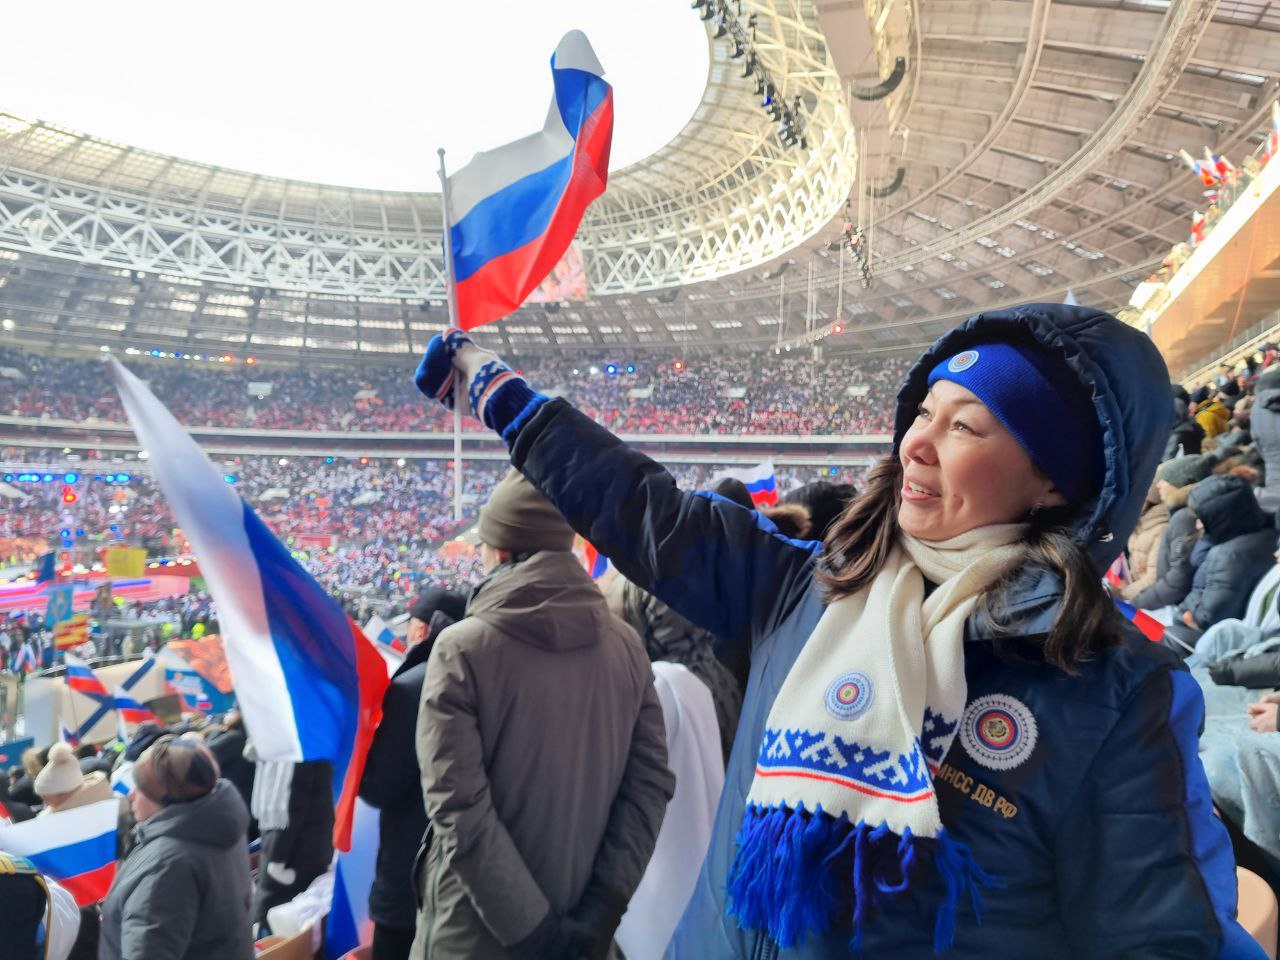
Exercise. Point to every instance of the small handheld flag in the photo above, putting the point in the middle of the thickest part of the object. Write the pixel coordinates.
(513, 211)
(1151, 628)
(759, 481)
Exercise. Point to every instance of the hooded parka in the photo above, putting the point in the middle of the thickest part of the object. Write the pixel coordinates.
(1242, 541)
(544, 761)
(1103, 838)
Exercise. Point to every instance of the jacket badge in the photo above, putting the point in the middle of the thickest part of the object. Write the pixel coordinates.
(998, 731)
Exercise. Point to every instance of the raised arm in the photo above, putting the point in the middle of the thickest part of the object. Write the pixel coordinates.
(721, 565)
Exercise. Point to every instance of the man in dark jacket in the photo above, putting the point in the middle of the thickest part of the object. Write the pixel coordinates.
(1187, 435)
(392, 781)
(1241, 538)
(227, 748)
(294, 806)
(543, 753)
(1175, 479)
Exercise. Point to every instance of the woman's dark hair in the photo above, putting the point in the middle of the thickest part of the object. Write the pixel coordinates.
(860, 542)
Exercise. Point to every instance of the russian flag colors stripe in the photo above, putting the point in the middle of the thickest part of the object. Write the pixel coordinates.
(308, 681)
(76, 847)
(759, 481)
(515, 209)
(145, 667)
(130, 710)
(1151, 628)
(83, 680)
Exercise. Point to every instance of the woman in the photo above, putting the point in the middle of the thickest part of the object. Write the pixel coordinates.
(949, 739)
(183, 893)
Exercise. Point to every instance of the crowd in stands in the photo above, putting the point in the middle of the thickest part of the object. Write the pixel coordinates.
(780, 394)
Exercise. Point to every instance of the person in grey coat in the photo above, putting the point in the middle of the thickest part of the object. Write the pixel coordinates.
(543, 754)
(183, 893)
(1264, 420)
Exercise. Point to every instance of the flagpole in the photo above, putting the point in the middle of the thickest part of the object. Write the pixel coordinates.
(459, 389)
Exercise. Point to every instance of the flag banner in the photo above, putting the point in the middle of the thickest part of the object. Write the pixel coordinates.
(67, 735)
(759, 481)
(592, 560)
(378, 629)
(515, 209)
(308, 681)
(108, 702)
(76, 847)
(61, 604)
(126, 562)
(1151, 628)
(71, 633)
(25, 660)
(80, 678)
(130, 710)
(44, 568)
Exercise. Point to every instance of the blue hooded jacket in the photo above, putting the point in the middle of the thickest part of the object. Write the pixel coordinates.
(1103, 837)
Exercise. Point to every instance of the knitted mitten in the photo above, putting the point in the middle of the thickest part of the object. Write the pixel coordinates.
(496, 394)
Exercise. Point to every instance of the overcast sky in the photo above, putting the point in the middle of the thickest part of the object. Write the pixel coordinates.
(354, 94)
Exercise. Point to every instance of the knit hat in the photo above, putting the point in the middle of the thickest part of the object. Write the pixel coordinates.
(520, 519)
(61, 774)
(174, 770)
(449, 602)
(1187, 470)
(1041, 403)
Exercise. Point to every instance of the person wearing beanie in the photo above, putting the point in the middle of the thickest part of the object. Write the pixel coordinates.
(183, 893)
(542, 750)
(952, 743)
(62, 786)
(392, 781)
(1175, 479)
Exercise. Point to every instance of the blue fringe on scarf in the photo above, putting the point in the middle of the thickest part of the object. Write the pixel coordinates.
(798, 874)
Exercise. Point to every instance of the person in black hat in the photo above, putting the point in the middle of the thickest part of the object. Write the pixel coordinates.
(392, 782)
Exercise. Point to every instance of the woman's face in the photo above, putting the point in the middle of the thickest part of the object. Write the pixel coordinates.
(962, 469)
(144, 808)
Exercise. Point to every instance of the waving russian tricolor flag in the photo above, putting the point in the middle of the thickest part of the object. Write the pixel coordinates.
(76, 847)
(759, 481)
(130, 710)
(1151, 628)
(514, 210)
(80, 678)
(308, 681)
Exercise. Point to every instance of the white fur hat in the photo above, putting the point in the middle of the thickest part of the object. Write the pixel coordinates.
(61, 774)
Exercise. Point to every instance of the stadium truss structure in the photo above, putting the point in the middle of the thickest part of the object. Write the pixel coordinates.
(1030, 151)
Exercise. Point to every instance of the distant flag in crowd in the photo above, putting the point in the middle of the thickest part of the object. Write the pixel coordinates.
(67, 735)
(25, 660)
(377, 629)
(80, 678)
(76, 847)
(1207, 174)
(61, 604)
(308, 681)
(44, 569)
(130, 710)
(514, 210)
(1224, 168)
(148, 663)
(592, 560)
(122, 780)
(759, 481)
(1151, 628)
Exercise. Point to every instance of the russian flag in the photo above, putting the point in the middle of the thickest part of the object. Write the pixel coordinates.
(83, 680)
(759, 481)
(514, 210)
(378, 630)
(308, 681)
(1151, 628)
(130, 710)
(592, 560)
(76, 847)
(25, 660)
(67, 735)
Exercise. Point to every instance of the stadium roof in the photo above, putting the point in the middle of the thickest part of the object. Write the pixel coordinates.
(1024, 149)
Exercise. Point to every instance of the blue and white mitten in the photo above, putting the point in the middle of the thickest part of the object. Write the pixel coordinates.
(497, 395)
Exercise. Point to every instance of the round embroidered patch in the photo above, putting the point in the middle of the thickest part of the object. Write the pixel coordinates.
(962, 361)
(998, 731)
(849, 695)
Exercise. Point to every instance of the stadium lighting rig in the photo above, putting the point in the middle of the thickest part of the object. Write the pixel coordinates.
(788, 117)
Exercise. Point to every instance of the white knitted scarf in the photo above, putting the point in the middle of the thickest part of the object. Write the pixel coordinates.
(860, 726)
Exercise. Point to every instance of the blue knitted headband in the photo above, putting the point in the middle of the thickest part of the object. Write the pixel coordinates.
(1041, 403)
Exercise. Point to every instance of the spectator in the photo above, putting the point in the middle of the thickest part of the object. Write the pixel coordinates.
(228, 748)
(183, 893)
(1144, 544)
(40, 919)
(1187, 434)
(1228, 640)
(62, 786)
(293, 803)
(825, 502)
(1213, 417)
(1175, 479)
(392, 781)
(1240, 539)
(1265, 423)
(542, 749)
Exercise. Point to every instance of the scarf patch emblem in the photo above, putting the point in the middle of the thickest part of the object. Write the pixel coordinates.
(998, 731)
(849, 695)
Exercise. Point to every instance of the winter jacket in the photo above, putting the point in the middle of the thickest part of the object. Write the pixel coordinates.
(1260, 626)
(1144, 548)
(227, 748)
(1174, 571)
(1187, 435)
(184, 891)
(1103, 837)
(305, 844)
(1213, 418)
(544, 761)
(1242, 541)
(668, 636)
(1265, 423)
(393, 784)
